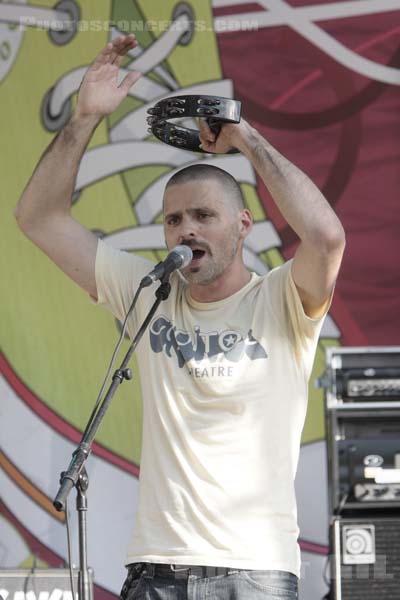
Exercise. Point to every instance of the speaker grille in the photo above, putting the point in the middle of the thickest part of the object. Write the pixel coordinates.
(379, 580)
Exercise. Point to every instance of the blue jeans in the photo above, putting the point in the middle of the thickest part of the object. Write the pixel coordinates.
(142, 584)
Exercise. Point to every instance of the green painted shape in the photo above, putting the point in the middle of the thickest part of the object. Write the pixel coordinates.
(128, 17)
(199, 60)
(130, 104)
(273, 258)
(49, 327)
(253, 202)
(139, 179)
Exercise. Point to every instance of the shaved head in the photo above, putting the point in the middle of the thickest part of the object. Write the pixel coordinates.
(199, 172)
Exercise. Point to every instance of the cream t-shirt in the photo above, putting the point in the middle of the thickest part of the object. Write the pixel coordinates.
(224, 388)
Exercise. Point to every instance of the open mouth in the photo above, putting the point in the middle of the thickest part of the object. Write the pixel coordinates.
(197, 254)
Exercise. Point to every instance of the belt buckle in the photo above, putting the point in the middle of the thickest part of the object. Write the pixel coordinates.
(180, 571)
(178, 568)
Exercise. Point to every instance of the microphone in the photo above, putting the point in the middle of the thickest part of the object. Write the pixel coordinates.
(178, 257)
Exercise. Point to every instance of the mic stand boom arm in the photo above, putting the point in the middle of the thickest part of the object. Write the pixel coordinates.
(71, 476)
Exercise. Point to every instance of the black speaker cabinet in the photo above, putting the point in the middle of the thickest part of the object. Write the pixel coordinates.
(40, 584)
(365, 564)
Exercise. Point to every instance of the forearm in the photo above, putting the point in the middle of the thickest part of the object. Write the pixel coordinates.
(299, 200)
(50, 188)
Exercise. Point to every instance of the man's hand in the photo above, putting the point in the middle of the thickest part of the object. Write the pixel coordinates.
(231, 136)
(99, 94)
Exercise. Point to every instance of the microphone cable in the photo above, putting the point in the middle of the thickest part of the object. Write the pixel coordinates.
(71, 574)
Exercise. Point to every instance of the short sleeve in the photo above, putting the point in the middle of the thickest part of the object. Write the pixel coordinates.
(118, 275)
(285, 303)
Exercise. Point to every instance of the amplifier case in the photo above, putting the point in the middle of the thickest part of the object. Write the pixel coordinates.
(352, 437)
(371, 364)
(362, 428)
(365, 562)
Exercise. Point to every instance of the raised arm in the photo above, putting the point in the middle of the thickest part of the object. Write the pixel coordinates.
(318, 257)
(44, 209)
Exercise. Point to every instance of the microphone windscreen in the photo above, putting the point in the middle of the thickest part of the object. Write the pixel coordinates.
(185, 255)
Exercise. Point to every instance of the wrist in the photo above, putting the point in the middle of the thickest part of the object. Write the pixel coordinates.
(85, 120)
(244, 137)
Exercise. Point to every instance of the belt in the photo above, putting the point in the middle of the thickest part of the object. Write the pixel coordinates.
(184, 571)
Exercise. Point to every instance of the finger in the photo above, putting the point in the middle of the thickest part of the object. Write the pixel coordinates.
(121, 45)
(103, 57)
(125, 39)
(205, 144)
(206, 147)
(206, 132)
(129, 80)
(118, 60)
(122, 52)
(124, 43)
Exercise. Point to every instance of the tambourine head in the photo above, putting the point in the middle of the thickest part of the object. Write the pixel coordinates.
(216, 109)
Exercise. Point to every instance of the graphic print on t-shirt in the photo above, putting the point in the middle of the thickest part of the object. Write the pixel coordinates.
(197, 345)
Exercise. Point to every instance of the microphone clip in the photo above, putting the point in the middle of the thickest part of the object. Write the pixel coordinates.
(151, 278)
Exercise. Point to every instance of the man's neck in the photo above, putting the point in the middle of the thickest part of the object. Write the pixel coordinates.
(221, 288)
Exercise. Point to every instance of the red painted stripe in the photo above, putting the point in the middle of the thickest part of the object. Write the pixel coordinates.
(313, 548)
(57, 422)
(237, 9)
(283, 98)
(351, 332)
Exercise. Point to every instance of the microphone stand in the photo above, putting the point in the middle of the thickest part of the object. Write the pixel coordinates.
(76, 475)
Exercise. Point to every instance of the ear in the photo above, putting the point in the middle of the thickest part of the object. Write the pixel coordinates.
(246, 223)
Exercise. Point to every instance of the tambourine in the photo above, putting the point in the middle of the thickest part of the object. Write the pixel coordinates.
(216, 109)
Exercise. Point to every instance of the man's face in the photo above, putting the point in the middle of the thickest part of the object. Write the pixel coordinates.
(199, 215)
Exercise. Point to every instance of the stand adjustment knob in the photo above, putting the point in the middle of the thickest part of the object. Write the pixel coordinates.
(128, 374)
